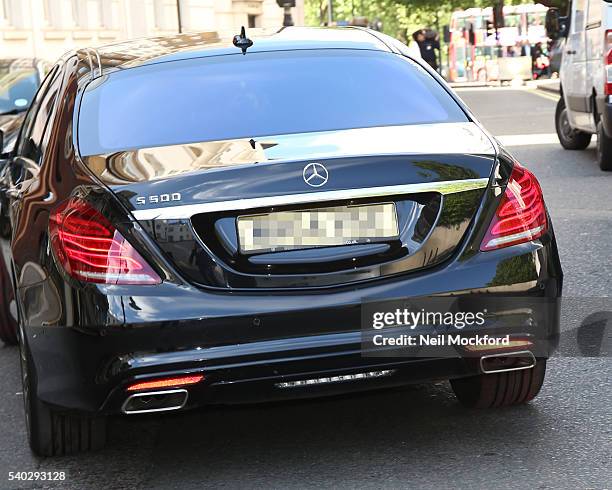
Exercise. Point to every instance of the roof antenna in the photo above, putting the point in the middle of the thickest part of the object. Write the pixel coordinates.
(242, 41)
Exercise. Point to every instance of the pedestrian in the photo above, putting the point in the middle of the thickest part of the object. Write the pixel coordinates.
(427, 46)
(536, 52)
(525, 48)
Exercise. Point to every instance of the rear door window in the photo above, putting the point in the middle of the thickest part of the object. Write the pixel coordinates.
(260, 94)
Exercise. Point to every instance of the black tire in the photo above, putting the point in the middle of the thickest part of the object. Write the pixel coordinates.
(570, 139)
(55, 433)
(604, 149)
(8, 328)
(8, 325)
(500, 389)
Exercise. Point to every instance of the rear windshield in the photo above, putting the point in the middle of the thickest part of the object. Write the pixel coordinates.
(260, 94)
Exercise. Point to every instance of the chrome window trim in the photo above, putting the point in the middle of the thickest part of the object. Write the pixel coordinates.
(185, 211)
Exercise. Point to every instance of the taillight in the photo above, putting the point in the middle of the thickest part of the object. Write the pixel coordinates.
(520, 216)
(608, 62)
(90, 249)
(166, 382)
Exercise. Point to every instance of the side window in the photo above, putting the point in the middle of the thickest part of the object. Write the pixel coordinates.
(579, 16)
(33, 110)
(30, 139)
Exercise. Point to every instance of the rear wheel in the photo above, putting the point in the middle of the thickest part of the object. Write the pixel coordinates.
(570, 139)
(604, 149)
(55, 433)
(500, 389)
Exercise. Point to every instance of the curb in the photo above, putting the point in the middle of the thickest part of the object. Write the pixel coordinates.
(466, 84)
(549, 87)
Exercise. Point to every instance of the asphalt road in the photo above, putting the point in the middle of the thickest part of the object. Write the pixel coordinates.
(417, 437)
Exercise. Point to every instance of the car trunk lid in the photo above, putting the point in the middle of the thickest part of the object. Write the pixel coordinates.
(192, 198)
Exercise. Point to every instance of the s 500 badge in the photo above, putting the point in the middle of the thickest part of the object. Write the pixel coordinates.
(156, 199)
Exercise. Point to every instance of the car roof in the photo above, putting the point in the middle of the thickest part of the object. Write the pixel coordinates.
(147, 51)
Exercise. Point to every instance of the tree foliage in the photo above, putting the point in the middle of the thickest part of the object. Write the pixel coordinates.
(400, 17)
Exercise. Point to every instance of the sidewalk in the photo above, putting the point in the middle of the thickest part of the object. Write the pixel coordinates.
(552, 86)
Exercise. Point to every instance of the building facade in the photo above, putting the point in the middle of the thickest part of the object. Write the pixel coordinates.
(48, 28)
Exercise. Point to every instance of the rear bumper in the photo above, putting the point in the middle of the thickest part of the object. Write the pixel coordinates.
(249, 384)
(236, 377)
(245, 344)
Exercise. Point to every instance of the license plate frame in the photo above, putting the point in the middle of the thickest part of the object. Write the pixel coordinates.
(302, 229)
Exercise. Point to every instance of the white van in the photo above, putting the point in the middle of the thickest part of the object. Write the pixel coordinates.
(585, 106)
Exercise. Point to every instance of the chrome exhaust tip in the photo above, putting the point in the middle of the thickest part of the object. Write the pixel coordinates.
(155, 401)
(507, 361)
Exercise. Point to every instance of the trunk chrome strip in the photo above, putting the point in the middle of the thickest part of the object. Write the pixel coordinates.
(188, 210)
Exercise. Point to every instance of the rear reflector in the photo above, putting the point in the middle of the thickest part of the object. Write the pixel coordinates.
(166, 383)
(90, 249)
(521, 215)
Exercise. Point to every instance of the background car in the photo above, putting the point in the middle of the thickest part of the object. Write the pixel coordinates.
(19, 81)
(188, 223)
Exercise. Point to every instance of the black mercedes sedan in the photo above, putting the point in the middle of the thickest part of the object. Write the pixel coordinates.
(190, 220)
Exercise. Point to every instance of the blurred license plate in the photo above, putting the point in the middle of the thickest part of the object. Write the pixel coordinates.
(322, 227)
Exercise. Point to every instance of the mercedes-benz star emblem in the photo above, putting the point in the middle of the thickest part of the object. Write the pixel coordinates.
(315, 175)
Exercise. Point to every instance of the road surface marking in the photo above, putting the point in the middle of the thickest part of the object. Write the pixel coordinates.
(547, 95)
